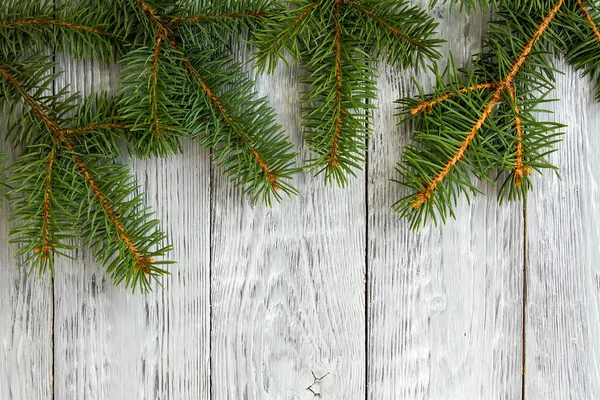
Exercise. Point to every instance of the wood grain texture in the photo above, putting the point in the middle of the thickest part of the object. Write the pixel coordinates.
(563, 236)
(288, 284)
(444, 303)
(329, 284)
(110, 344)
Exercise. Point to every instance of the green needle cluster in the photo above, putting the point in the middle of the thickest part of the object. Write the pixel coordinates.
(485, 122)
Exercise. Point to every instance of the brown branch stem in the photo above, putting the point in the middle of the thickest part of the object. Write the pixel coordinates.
(93, 127)
(216, 17)
(155, 126)
(47, 244)
(429, 104)
(333, 153)
(520, 168)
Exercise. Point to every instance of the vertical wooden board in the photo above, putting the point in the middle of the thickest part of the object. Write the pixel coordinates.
(25, 323)
(444, 303)
(26, 316)
(288, 283)
(112, 344)
(563, 239)
(181, 185)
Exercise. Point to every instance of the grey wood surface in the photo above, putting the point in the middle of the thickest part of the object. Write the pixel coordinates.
(328, 295)
(563, 239)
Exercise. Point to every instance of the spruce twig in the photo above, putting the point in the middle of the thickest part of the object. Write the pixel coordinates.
(186, 63)
(485, 120)
(337, 42)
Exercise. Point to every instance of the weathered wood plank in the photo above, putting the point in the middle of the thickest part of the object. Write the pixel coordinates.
(563, 238)
(110, 344)
(26, 317)
(288, 284)
(25, 324)
(444, 303)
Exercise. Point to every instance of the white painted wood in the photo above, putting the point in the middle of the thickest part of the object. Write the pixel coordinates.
(110, 344)
(563, 238)
(288, 284)
(444, 303)
(25, 324)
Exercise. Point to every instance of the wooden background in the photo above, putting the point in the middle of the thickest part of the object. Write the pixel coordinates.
(331, 285)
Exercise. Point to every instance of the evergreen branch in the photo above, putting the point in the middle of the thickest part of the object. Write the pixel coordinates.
(581, 38)
(48, 229)
(24, 94)
(85, 28)
(590, 20)
(38, 207)
(272, 177)
(395, 31)
(270, 174)
(425, 194)
(142, 263)
(336, 42)
(151, 85)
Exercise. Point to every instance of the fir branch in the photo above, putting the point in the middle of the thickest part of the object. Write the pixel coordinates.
(497, 102)
(336, 43)
(181, 79)
(24, 94)
(135, 270)
(230, 121)
(425, 194)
